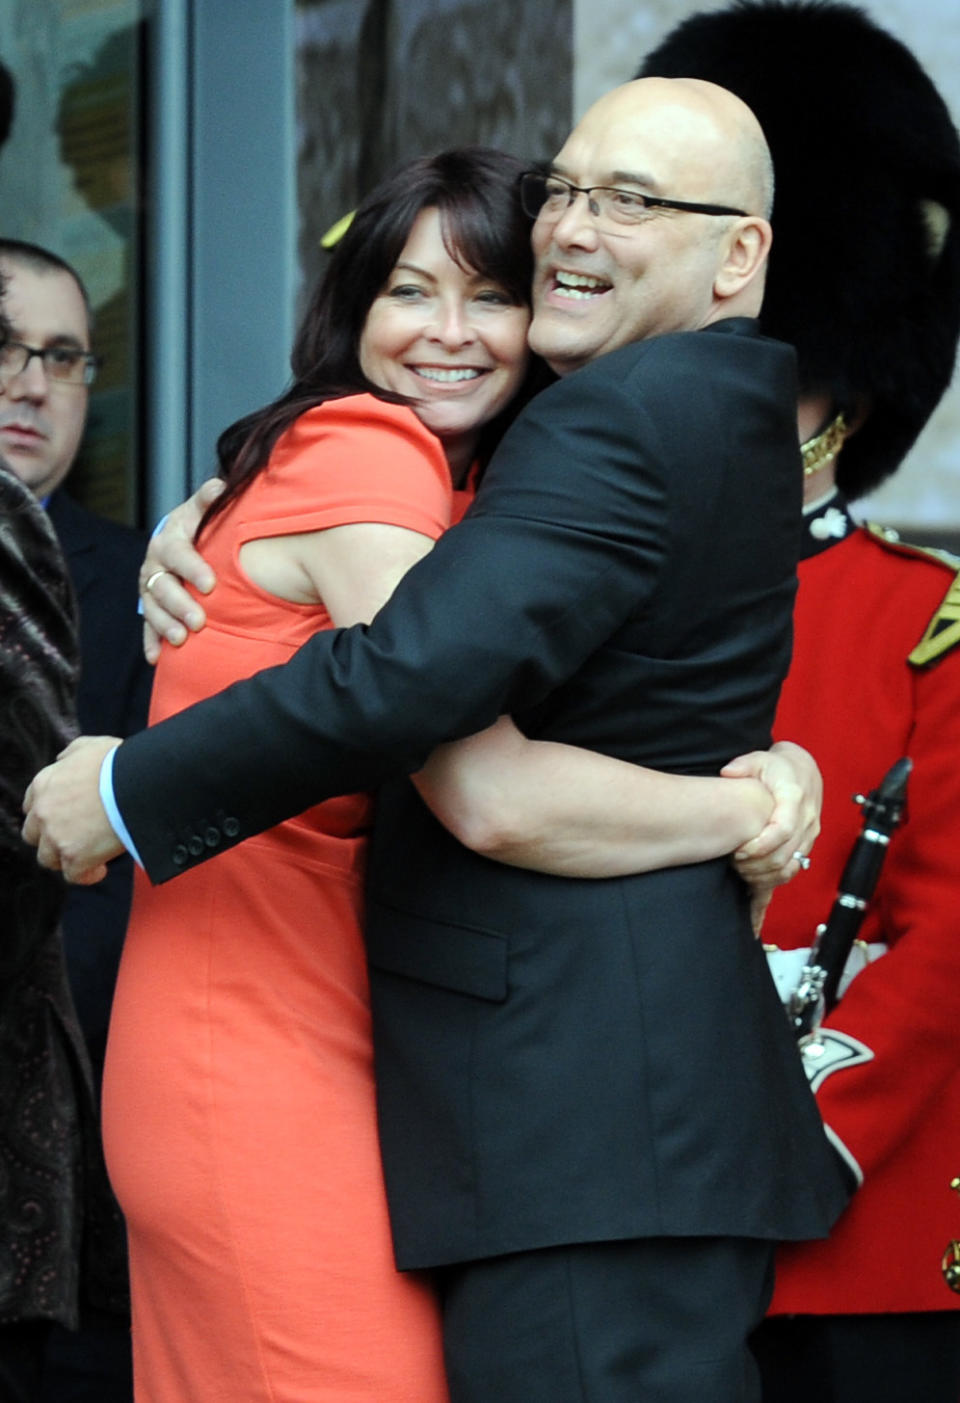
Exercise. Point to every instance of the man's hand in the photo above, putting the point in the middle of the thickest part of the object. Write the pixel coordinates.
(66, 822)
(168, 610)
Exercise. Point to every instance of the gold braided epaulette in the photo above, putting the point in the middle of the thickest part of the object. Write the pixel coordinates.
(943, 631)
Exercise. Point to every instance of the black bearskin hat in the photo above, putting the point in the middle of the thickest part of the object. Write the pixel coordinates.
(864, 275)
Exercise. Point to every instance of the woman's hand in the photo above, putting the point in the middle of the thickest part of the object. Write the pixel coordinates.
(169, 610)
(782, 848)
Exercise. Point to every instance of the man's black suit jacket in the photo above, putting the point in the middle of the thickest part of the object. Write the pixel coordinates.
(558, 1061)
(103, 558)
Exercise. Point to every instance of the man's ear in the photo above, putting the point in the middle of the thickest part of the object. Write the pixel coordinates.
(746, 247)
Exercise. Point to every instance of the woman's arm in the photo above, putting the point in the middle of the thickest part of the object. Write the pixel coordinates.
(572, 812)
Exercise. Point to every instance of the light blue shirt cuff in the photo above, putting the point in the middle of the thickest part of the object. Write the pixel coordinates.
(109, 801)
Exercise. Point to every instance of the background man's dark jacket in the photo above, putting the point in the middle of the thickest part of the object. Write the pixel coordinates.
(103, 558)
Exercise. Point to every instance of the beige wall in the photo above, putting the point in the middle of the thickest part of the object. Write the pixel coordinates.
(610, 38)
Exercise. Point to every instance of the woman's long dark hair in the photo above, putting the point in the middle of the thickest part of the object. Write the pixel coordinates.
(475, 190)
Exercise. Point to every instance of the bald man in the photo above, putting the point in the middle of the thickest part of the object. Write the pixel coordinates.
(594, 1122)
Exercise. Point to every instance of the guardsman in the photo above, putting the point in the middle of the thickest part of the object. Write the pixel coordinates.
(865, 281)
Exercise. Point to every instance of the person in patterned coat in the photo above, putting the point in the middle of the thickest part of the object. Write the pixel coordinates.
(41, 1084)
(865, 148)
(56, 1213)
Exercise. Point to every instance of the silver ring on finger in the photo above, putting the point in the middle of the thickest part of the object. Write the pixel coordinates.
(802, 859)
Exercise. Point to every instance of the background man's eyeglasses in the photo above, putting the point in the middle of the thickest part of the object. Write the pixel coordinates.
(65, 364)
(549, 196)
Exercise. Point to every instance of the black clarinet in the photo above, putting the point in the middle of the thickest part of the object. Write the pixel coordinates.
(816, 994)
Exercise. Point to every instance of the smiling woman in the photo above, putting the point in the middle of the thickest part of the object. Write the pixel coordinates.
(443, 233)
(450, 339)
(240, 1045)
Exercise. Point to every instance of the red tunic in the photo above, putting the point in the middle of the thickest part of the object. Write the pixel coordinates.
(858, 703)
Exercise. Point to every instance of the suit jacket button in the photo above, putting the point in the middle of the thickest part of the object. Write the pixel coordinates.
(231, 827)
(179, 855)
(212, 837)
(195, 845)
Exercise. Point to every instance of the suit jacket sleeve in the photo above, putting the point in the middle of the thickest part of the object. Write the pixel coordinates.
(566, 537)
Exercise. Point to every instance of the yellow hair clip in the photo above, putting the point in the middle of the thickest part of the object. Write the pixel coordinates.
(336, 231)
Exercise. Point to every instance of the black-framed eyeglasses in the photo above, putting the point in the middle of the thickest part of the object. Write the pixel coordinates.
(548, 196)
(67, 365)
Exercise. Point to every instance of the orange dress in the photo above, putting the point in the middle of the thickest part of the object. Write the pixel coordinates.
(239, 1117)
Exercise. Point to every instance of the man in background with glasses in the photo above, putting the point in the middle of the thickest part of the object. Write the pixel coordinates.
(594, 1121)
(46, 365)
(46, 368)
